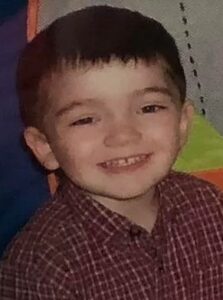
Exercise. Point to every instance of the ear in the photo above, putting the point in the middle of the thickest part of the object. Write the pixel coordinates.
(187, 113)
(40, 147)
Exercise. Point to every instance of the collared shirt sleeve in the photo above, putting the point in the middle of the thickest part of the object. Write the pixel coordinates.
(33, 270)
(16, 284)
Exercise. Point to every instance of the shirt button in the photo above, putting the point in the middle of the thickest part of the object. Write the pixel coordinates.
(134, 232)
(161, 267)
(154, 252)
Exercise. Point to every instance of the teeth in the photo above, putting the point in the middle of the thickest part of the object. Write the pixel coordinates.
(125, 161)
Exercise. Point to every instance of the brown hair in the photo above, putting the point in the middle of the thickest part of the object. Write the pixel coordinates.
(89, 36)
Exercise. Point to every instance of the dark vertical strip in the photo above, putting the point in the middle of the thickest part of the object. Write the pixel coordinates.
(192, 60)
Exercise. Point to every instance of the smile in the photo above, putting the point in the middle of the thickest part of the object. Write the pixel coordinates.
(130, 163)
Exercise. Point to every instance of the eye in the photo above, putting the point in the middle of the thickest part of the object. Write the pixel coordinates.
(152, 108)
(84, 121)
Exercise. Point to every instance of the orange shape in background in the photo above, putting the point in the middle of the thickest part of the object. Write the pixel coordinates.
(32, 18)
(213, 176)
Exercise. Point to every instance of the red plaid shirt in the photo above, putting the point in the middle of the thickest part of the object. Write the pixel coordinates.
(74, 248)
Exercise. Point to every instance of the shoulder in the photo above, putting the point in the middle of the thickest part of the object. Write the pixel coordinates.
(193, 199)
(42, 247)
(190, 188)
(197, 210)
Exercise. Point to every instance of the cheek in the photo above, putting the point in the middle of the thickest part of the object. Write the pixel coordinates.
(87, 145)
(164, 134)
(80, 147)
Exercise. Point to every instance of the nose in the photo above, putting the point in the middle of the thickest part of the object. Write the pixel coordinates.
(122, 134)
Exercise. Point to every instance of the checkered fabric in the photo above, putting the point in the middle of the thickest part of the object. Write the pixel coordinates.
(75, 248)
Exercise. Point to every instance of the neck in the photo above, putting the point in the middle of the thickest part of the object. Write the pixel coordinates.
(141, 210)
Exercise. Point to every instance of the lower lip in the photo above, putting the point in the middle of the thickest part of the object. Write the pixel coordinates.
(126, 169)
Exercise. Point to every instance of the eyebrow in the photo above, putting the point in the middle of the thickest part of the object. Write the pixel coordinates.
(140, 92)
(72, 105)
(153, 89)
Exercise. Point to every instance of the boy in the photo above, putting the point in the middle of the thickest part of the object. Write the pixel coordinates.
(102, 94)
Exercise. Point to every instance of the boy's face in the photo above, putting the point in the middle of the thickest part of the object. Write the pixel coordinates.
(115, 129)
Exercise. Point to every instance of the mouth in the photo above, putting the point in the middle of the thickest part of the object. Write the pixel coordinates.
(125, 164)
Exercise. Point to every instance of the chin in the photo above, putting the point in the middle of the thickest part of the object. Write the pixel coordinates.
(124, 195)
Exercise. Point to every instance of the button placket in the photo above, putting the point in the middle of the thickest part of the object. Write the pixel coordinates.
(134, 233)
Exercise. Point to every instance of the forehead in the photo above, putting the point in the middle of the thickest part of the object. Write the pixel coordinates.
(113, 80)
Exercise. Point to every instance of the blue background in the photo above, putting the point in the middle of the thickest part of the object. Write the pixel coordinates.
(23, 185)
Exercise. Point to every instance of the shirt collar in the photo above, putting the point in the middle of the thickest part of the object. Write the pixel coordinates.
(105, 225)
(97, 221)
